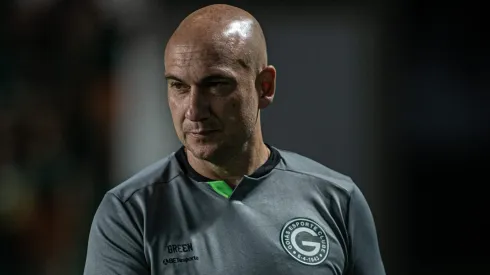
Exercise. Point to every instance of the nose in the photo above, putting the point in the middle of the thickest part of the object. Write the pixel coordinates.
(198, 106)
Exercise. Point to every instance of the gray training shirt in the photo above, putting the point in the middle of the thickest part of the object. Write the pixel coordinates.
(293, 216)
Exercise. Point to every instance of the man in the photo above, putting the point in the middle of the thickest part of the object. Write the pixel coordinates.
(226, 202)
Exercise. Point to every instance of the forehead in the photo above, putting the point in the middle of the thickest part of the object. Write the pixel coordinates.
(199, 59)
(186, 54)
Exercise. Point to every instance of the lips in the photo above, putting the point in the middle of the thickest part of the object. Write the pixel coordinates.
(202, 132)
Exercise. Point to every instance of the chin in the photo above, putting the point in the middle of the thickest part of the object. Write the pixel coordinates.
(202, 153)
(203, 150)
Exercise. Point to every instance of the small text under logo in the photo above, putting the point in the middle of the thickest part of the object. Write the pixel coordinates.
(180, 260)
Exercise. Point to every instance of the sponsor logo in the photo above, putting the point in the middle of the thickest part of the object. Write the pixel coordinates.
(305, 240)
(180, 260)
(180, 248)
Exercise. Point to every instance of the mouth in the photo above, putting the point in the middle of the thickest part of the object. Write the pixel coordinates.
(202, 132)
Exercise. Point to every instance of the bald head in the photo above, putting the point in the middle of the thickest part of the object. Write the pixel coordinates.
(218, 80)
(224, 31)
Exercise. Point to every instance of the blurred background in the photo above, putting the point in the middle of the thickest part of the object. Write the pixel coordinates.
(395, 94)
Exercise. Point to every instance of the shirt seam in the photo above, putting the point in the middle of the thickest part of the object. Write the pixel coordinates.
(349, 192)
(143, 187)
(350, 258)
(141, 230)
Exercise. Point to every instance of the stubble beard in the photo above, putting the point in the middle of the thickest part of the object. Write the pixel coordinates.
(219, 152)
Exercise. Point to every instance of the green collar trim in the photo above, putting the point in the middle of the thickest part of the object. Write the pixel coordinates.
(221, 188)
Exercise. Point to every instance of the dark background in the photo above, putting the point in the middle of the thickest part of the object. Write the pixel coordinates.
(394, 94)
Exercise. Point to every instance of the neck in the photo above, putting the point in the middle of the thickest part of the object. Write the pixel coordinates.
(244, 162)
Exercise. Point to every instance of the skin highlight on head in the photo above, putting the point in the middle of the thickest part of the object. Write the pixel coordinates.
(218, 81)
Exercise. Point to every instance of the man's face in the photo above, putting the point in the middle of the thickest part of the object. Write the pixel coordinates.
(212, 98)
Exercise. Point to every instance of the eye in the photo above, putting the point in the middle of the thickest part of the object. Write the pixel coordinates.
(216, 84)
(219, 87)
(179, 86)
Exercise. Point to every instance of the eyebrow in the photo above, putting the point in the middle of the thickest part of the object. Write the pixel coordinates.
(172, 77)
(207, 79)
(216, 77)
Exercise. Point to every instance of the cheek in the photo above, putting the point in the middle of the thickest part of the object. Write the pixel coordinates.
(239, 109)
(235, 110)
(240, 112)
(232, 110)
(177, 112)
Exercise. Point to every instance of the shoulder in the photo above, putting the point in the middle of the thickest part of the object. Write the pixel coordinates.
(299, 164)
(161, 172)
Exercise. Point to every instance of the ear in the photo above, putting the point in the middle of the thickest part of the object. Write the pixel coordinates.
(266, 86)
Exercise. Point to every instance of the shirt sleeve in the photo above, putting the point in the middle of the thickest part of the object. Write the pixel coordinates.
(115, 244)
(365, 256)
